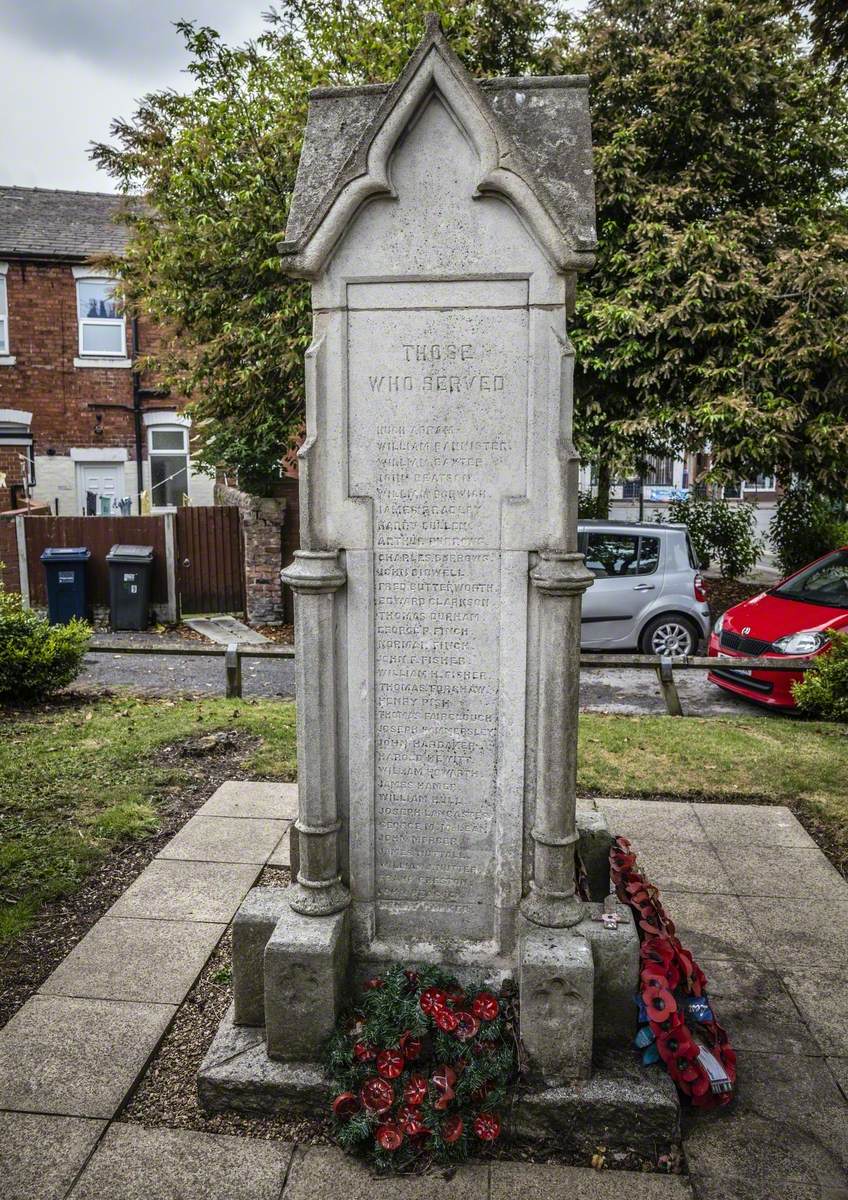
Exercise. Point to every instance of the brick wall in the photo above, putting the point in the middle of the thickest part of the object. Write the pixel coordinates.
(262, 520)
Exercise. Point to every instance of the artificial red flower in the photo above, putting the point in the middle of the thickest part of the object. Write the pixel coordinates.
(485, 1006)
(452, 1128)
(390, 1064)
(487, 1126)
(415, 1089)
(377, 1094)
(371, 985)
(468, 1026)
(430, 999)
(446, 1020)
(410, 1121)
(345, 1105)
(659, 1004)
(389, 1135)
(455, 995)
(362, 1052)
(410, 1047)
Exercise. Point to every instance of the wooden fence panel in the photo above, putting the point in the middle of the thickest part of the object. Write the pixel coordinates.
(210, 560)
(10, 575)
(99, 535)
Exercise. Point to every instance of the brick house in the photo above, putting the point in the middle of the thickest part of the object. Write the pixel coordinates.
(76, 419)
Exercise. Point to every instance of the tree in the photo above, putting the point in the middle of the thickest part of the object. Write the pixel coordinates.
(216, 168)
(717, 310)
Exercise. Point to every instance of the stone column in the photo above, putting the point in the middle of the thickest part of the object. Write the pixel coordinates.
(315, 576)
(560, 580)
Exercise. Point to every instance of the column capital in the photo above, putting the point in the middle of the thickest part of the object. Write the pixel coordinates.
(315, 571)
(561, 574)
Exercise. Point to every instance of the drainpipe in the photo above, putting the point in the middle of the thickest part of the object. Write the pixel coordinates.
(136, 408)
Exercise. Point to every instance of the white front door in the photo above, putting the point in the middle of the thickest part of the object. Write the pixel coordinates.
(105, 482)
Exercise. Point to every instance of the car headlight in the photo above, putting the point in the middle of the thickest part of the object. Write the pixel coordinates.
(808, 641)
(719, 625)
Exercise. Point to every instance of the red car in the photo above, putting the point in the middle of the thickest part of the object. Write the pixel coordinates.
(789, 620)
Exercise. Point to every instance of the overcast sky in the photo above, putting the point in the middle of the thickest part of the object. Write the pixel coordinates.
(70, 66)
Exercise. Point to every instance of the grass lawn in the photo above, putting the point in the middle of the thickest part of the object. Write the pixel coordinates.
(78, 779)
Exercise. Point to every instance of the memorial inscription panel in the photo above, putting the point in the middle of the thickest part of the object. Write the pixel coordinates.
(437, 436)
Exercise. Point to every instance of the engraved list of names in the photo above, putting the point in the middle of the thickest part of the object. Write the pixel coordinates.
(437, 437)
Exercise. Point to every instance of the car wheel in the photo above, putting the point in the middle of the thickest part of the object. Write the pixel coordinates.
(670, 637)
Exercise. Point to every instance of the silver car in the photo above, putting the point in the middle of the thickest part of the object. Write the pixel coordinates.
(647, 594)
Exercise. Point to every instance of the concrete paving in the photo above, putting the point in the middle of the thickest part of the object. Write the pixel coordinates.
(225, 630)
(775, 962)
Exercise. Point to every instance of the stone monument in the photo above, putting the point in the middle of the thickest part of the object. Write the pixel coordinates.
(442, 223)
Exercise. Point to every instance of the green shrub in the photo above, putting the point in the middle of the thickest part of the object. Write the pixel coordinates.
(804, 527)
(721, 531)
(36, 658)
(823, 692)
(588, 506)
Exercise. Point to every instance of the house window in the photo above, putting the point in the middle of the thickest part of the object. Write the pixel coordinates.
(101, 326)
(168, 449)
(4, 318)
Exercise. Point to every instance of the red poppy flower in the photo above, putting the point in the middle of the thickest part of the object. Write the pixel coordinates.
(410, 1047)
(389, 1135)
(485, 1006)
(362, 1052)
(377, 1094)
(446, 1020)
(371, 985)
(431, 998)
(345, 1105)
(415, 1089)
(659, 1004)
(452, 1128)
(487, 1126)
(410, 1121)
(390, 1064)
(468, 1026)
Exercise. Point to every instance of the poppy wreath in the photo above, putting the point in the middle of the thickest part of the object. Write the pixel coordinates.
(677, 1024)
(422, 1069)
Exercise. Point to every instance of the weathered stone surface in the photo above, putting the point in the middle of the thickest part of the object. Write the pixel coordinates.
(168, 889)
(797, 873)
(225, 840)
(40, 1155)
(246, 798)
(529, 1181)
(252, 927)
(325, 1173)
(715, 927)
(622, 1106)
(284, 854)
(754, 1005)
(76, 1057)
(593, 845)
(305, 971)
(764, 825)
(133, 1163)
(676, 864)
(803, 933)
(615, 955)
(123, 959)
(556, 983)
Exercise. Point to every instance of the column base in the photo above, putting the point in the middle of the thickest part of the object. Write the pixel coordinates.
(551, 912)
(318, 901)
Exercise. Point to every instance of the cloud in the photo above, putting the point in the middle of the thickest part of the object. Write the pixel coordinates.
(122, 33)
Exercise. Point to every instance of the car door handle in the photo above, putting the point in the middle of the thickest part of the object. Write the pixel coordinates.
(644, 587)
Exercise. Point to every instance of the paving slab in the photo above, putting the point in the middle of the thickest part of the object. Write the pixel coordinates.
(769, 825)
(839, 1069)
(681, 866)
(168, 889)
(325, 1173)
(752, 1003)
(225, 630)
(281, 856)
(530, 1181)
(243, 798)
(793, 873)
(123, 958)
(822, 1000)
(41, 1156)
(801, 933)
(133, 1163)
(648, 819)
(714, 926)
(225, 840)
(76, 1057)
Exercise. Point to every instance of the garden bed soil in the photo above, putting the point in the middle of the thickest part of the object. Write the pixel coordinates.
(723, 594)
(26, 961)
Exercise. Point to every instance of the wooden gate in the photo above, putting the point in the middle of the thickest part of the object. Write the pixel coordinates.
(210, 560)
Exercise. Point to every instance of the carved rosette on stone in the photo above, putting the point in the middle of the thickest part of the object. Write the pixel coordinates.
(442, 222)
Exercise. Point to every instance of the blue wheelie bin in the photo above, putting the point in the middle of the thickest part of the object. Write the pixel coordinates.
(64, 571)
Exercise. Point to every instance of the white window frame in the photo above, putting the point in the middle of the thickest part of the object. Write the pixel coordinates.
(88, 275)
(167, 423)
(6, 358)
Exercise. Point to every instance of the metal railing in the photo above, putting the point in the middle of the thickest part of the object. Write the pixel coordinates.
(664, 668)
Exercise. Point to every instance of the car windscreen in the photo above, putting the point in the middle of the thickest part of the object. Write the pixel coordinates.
(825, 582)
